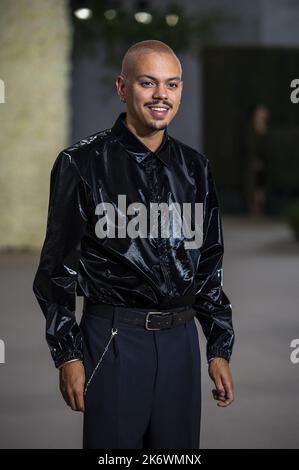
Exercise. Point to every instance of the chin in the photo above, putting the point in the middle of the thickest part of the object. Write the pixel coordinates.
(154, 127)
(158, 125)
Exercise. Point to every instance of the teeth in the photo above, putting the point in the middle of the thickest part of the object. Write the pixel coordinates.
(159, 109)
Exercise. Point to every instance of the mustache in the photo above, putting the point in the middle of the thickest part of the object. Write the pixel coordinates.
(158, 102)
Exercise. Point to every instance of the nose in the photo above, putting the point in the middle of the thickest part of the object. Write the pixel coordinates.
(160, 92)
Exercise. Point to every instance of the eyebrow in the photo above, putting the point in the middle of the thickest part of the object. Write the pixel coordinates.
(153, 78)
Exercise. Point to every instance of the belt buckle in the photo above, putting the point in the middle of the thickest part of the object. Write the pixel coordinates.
(154, 313)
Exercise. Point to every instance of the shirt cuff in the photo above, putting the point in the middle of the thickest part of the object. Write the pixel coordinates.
(67, 357)
(218, 352)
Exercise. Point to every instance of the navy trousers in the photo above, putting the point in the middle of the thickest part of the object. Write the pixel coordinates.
(146, 391)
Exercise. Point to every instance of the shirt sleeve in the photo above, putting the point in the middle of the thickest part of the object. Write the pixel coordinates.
(55, 281)
(213, 308)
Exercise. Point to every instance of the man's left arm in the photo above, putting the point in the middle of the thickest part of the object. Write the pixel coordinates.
(213, 308)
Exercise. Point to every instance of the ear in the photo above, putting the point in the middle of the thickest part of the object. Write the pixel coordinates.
(120, 84)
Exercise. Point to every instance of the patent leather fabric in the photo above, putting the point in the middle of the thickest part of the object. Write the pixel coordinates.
(155, 273)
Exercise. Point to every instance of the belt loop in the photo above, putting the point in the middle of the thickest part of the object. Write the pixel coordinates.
(115, 316)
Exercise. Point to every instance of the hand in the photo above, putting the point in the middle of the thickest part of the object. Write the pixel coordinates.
(72, 381)
(220, 373)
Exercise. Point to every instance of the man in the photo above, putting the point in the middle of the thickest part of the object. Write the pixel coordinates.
(132, 365)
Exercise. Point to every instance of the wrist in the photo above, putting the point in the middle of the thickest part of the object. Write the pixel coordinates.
(68, 362)
(217, 357)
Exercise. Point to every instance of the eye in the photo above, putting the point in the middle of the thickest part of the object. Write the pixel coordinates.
(175, 85)
(145, 83)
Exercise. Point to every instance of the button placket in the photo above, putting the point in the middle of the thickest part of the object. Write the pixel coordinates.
(153, 166)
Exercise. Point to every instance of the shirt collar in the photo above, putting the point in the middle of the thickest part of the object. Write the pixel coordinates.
(135, 147)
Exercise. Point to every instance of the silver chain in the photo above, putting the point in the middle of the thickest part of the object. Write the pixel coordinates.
(113, 333)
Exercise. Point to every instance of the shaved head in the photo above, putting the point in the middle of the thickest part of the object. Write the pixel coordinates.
(135, 52)
(150, 83)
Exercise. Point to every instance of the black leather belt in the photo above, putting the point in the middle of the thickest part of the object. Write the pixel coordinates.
(149, 319)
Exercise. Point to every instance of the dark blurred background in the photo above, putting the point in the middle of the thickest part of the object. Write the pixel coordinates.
(236, 56)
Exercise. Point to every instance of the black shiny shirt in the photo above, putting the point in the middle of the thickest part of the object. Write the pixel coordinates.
(155, 273)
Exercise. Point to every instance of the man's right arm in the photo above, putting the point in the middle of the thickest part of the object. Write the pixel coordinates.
(55, 281)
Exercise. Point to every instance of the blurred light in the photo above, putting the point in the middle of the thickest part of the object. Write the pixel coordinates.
(142, 14)
(171, 20)
(83, 13)
(143, 17)
(110, 14)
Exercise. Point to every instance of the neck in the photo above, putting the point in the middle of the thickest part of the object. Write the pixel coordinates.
(151, 139)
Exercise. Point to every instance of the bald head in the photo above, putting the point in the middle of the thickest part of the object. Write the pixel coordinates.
(135, 52)
(151, 75)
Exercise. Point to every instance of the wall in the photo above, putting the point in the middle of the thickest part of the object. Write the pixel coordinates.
(35, 39)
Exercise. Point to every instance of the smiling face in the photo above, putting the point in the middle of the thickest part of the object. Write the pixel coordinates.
(153, 82)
